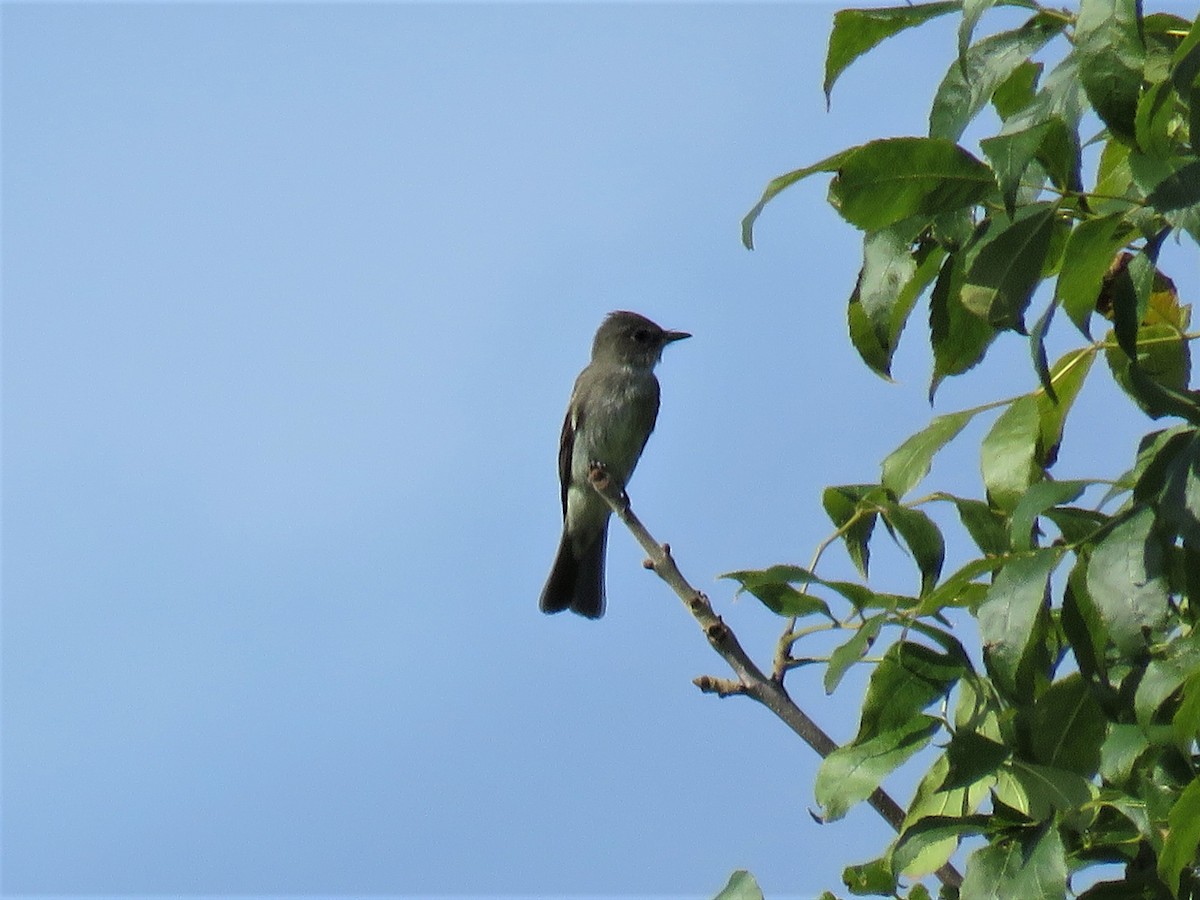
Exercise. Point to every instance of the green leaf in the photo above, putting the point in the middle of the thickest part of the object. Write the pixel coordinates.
(974, 77)
(889, 180)
(972, 11)
(908, 679)
(1045, 128)
(875, 350)
(1037, 347)
(1186, 721)
(988, 529)
(1114, 189)
(923, 539)
(1156, 458)
(1039, 498)
(1001, 279)
(1156, 120)
(1018, 89)
(893, 276)
(1165, 676)
(1185, 76)
(1183, 837)
(847, 654)
(1123, 746)
(1012, 618)
(959, 338)
(1038, 791)
(918, 840)
(1169, 184)
(960, 589)
(1175, 192)
(843, 504)
(1179, 501)
(973, 758)
(1009, 453)
(1091, 249)
(870, 879)
(1112, 55)
(1126, 577)
(1068, 727)
(926, 845)
(1067, 374)
(1011, 154)
(851, 773)
(775, 185)
(861, 596)
(1076, 525)
(1082, 624)
(741, 886)
(905, 466)
(1109, 43)
(772, 587)
(855, 31)
(1032, 867)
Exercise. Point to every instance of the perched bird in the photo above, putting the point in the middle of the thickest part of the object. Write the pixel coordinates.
(612, 411)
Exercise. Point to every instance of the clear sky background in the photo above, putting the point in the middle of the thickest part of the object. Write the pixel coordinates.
(294, 296)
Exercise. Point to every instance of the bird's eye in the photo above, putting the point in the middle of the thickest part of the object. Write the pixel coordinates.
(642, 335)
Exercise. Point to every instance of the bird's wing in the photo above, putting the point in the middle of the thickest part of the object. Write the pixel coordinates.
(649, 412)
(566, 447)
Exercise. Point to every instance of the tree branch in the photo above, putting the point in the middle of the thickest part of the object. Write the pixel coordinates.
(769, 691)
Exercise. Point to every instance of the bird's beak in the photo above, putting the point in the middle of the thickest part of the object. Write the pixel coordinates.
(672, 336)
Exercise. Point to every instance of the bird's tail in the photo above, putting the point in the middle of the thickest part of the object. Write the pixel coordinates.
(576, 581)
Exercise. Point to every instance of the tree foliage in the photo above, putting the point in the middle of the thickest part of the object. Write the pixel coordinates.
(1074, 743)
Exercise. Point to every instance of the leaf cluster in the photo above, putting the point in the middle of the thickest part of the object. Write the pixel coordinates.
(1071, 737)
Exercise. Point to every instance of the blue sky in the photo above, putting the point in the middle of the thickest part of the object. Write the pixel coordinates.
(293, 299)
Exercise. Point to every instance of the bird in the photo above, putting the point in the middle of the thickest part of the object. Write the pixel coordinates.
(612, 410)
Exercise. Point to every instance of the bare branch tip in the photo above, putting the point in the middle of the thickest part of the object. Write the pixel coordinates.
(722, 687)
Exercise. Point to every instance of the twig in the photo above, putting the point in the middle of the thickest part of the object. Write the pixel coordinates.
(750, 679)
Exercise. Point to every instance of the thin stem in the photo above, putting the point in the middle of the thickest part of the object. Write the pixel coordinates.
(750, 679)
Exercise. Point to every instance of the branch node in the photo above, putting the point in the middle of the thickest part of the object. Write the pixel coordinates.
(717, 631)
(648, 564)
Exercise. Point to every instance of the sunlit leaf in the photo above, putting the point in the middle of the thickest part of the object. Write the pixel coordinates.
(889, 180)
(1091, 248)
(1000, 281)
(1126, 578)
(846, 506)
(970, 81)
(1068, 727)
(1067, 374)
(851, 773)
(1010, 617)
(959, 337)
(775, 185)
(741, 886)
(906, 681)
(918, 840)
(1112, 56)
(893, 275)
(847, 654)
(1032, 867)
(1183, 836)
(923, 539)
(905, 466)
(1009, 453)
(1039, 498)
(855, 31)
